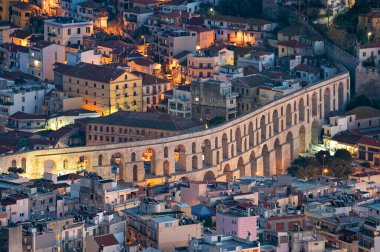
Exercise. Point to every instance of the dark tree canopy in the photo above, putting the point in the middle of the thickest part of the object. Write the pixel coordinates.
(241, 8)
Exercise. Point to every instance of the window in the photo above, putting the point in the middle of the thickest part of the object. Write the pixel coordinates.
(78, 30)
(23, 99)
(68, 31)
(88, 30)
(364, 54)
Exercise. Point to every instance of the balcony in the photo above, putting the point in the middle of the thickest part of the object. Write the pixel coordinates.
(52, 34)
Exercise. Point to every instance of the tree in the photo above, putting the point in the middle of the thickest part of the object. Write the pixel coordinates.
(241, 8)
(15, 170)
(305, 168)
(340, 168)
(344, 155)
(323, 157)
(358, 101)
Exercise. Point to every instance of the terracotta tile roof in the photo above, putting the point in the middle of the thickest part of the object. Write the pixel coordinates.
(25, 6)
(371, 141)
(346, 137)
(105, 240)
(199, 29)
(5, 150)
(147, 2)
(42, 44)
(174, 14)
(293, 44)
(113, 44)
(364, 112)
(19, 133)
(17, 196)
(307, 68)
(143, 62)
(196, 21)
(17, 75)
(181, 54)
(372, 14)
(25, 116)
(375, 44)
(152, 120)
(69, 176)
(11, 47)
(148, 79)
(232, 19)
(21, 34)
(294, 30)
(94, 72)
(250, 81)
(61, 132)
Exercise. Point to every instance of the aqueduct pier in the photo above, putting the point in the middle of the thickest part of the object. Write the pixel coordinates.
(263, 142)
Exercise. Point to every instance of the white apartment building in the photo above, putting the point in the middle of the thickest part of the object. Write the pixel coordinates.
(180, 103)
(42, 57)
(370, 51)
(86, 56)
(27, 98)
(67, 30)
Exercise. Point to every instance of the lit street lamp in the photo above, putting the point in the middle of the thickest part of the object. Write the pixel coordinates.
(369, 35)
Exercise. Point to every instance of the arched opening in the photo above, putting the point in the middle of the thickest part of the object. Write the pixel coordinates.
(217, 157)
(14, 163)
(266, 161)
(251, 135)
(225, 146)
(216, 143)
(23, 164)
(232, 150)
(135, 173)
(253, 161)
(276, 123)
(206, 153)
(148, 158)
(340, 97)
(314, 105)
(194, 162)
(116, 163)
(65, 164)
(180, 158)
(302, 140)
(193, 148)
(133, 157)
(238, 140)
(327, 103)
(100, 160)
(241, 167)
(301, 111)
(184, 179)
(166, 152)
(289, 140)
(288, 116)
(278, 156)
(263, 129)
(314, 132)
(209, 177)
(83, 163)
(49, 167)
(166, 168)
(228, 173)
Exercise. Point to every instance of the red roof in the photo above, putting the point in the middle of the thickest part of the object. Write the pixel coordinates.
(306, 68)
(105, 240)
(371, 141)
(293, 44)
(24, 116)
(17, 196)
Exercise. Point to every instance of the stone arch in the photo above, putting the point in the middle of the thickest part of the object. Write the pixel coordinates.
(263, 128)
(116, 162)
(133, 157)
(251, 135)
(326, 102)
(241, 167)
(83, 163)
(225, 146)
(209, 177)
(166, 168)
(301, 110)
(149, 159)
(180, 157)
(314, 132)
(238, 140)
(135, 173)
(50, 167)
(228, 173)
(278, 156)
(166, 152)
(253, 162)
(194, 162)
(266, 161)
(288, 114)
(314, 105)
(302, 139)
(23, 164)
(100, 160)
(206, 153)
(340, 96)
(14, 163)
(276, 122)
(290, 141)
(193, 148)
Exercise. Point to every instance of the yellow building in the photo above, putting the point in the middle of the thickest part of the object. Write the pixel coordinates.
(104, 89)
(22, 12)
(5, 7)
(20, 37)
